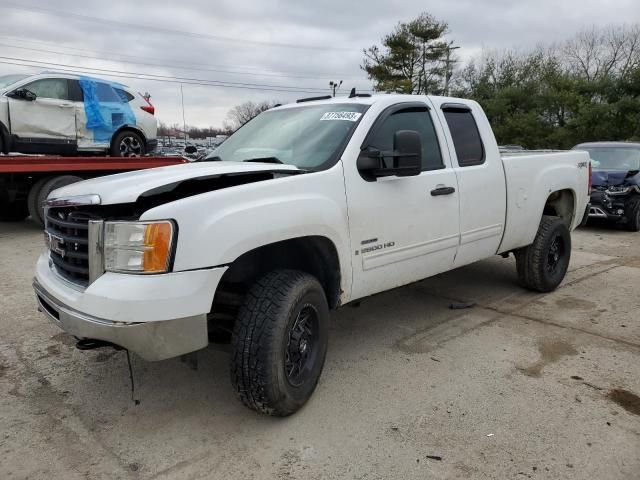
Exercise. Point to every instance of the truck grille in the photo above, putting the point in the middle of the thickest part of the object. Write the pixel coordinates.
(68, 232)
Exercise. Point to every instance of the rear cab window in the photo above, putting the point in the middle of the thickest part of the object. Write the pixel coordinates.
(465, 134)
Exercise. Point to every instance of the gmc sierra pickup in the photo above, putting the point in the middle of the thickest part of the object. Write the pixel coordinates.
(306, 208)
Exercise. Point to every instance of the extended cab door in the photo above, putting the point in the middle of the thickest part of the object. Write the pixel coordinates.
(480, 175)
(402, 228)
(47, 120)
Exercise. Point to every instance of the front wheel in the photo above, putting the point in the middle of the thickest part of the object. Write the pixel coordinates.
(543, 264)
(279, 342)
(632, 212)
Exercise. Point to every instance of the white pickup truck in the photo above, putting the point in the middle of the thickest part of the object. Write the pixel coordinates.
(306, 208)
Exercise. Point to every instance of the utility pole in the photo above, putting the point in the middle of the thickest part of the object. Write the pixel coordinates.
(448, 68)
(184, 123)
(334, 86)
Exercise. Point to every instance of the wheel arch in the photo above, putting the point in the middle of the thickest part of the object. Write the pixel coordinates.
(315, 254)
(561, 203)
(131, 128)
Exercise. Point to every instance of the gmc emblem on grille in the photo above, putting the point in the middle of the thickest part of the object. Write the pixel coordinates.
(56, 245)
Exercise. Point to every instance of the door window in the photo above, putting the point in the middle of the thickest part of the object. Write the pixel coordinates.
(55, 88)
(107, 94)
(417, 119)
(75, 91)
(466, 137)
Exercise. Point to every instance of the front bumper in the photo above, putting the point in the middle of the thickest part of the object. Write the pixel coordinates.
(154, 316)
(607, 206)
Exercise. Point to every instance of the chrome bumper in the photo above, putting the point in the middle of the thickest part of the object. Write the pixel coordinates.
(154, 340)
(597, 212)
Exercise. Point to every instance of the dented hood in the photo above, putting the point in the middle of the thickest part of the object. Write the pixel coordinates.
(127, 187)
(607, 178)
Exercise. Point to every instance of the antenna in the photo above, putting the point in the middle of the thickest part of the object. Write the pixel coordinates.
(352, 94)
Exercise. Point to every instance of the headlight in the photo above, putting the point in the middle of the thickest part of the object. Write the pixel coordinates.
(618, 190)
(138, 247)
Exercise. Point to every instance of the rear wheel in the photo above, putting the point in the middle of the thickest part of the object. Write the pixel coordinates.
(543, 264)
(40, 191)
(128, 144)
(632, 212)
(279, 342)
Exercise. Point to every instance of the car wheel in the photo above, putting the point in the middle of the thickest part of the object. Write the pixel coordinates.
(35, 211)
(128, 144)
(632, 213)
(543, 264)
(279, 342)
(40, 191)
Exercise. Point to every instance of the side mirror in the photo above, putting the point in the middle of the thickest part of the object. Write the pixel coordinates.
(23, 94)
(406, 158)
(190, 149)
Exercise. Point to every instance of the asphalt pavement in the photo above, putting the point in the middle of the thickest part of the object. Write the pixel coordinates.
(519, 385)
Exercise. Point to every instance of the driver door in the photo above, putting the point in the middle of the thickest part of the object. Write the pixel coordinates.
(403, 229)
(49, 119)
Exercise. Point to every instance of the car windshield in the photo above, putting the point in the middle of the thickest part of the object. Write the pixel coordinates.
(6, 80)
(307, 137)
(615, 158)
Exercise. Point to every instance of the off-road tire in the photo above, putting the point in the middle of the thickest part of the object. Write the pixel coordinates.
(40, 191)
(538, 269)
(32, 201)
(261, 338)
(632, 214)
(140, 150)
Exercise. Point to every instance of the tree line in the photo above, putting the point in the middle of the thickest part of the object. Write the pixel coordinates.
(586, 88)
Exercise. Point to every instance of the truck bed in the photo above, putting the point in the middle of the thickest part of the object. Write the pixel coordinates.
(532, 176)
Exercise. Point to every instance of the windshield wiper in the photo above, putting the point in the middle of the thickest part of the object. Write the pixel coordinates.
(265, 160)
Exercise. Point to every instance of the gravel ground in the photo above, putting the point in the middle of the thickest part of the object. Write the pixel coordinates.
(520, 386)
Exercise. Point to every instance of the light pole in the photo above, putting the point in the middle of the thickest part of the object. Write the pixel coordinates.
(334, 86)
(447, 68)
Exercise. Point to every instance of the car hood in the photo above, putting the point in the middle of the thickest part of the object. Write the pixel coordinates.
(610, 178)
(200, 176)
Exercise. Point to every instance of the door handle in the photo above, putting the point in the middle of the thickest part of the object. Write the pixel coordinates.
(442, 191)
(65, 105)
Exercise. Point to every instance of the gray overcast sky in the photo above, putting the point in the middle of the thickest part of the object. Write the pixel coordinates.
(287, 43)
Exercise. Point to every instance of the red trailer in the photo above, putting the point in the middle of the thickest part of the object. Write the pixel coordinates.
(26, 181)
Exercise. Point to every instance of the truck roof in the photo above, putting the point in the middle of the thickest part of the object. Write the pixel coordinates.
(387, 98)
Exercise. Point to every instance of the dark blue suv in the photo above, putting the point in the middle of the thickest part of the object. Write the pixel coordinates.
(616, 182)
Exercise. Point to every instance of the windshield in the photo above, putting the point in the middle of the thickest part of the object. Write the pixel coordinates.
(6, 80)
(615, 158)
(308, 137)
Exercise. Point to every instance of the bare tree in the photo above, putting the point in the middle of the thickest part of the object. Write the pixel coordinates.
(241, 114)
(598, 53)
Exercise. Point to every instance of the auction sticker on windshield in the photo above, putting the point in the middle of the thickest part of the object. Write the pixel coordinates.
(349, 116)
